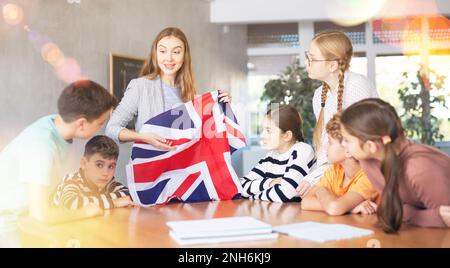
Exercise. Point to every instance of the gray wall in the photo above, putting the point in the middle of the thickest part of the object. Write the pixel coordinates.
(91, 30)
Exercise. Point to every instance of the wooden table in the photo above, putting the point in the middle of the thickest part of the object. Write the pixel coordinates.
(146, 227)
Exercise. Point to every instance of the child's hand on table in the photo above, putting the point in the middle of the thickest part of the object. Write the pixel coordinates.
(366, 208)
(303, 188)
(124, 201)
(275, 181)
(444, 211)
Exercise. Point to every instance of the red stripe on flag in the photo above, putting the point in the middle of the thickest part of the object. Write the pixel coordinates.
(208, 149)
(235, 132)
(150, 171)
(187, 183)
(202, 103)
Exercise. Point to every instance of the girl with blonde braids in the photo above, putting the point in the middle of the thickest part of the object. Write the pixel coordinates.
(328, 59)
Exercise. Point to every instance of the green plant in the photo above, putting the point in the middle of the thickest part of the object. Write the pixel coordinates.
(418, 103)
(295, 88)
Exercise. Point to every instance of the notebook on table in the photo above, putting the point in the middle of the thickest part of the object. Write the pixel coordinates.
(322, 232)
(220, 230)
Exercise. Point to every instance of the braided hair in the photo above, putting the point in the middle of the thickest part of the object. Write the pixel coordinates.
(333, 45)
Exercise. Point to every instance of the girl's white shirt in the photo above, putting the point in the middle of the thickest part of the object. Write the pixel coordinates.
(356, 87)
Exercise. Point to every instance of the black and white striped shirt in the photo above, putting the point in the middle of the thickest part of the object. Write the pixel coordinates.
(75, 192)
(291, 166)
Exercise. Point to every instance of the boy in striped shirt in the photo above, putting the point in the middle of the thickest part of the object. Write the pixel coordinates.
(94, 182)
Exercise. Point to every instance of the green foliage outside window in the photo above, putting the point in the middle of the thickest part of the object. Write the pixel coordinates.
(418, 104)
(295, 88)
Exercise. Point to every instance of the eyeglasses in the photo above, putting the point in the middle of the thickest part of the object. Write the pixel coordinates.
(309, 60)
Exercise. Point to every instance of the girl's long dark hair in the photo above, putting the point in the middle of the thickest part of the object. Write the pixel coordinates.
(371, 119)
(287, 118)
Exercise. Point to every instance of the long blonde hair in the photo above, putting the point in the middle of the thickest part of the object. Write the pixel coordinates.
(334, 45)
(185, 76)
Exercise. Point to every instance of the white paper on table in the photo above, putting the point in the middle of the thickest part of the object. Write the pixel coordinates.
(230, 226)
(221, 239)
(322, 232)
(287, 228)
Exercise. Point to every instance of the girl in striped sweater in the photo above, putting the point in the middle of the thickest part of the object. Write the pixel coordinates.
(289, 159)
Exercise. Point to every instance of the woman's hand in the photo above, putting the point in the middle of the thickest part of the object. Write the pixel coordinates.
(366, 208)
(444, 211)
(224, 96)
(156, 141)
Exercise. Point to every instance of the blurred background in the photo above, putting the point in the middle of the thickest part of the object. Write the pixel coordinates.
(252, 48)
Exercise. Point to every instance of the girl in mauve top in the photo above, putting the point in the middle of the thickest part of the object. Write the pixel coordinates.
(413, 179)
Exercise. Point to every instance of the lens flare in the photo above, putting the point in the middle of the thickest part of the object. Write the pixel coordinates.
(68, 70)
(36, 39)
(352, 12)
(413, 35)
(398, 8)
(51, 53)
(13, 14)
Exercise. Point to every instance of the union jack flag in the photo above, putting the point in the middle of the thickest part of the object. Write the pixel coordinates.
(205, 133)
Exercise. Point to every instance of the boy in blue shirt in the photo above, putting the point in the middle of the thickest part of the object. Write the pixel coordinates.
(32, 163)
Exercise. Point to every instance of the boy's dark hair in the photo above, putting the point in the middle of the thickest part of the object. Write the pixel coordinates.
(84, 98)
(102, 145)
